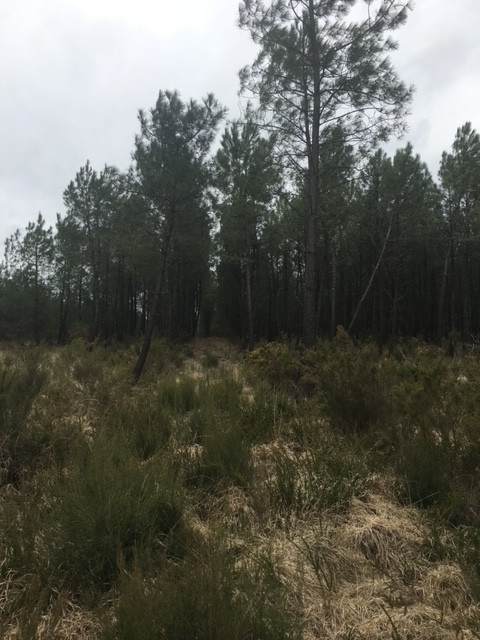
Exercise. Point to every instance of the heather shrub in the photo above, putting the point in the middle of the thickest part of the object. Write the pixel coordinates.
(434, 443)
(353, 387)
(279, 363)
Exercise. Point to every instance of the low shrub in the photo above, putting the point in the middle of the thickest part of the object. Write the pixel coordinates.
(279, 363)
(352, 386)
(436, 443)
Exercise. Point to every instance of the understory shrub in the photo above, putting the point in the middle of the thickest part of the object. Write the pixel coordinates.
(279, 363)
(437, 439)
(353, 388)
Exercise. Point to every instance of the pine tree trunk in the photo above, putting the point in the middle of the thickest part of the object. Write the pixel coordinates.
(142, 358)
(333, 295)
(313, 145)
(441, 300)
(249, 297)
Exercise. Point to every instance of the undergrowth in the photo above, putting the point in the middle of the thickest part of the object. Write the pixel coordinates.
(223, 498)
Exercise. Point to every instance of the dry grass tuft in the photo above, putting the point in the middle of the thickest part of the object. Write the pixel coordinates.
(444, 588)
(53, 617)
(383, 532)
(363, 575)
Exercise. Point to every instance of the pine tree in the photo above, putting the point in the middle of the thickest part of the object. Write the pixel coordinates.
(315, 69)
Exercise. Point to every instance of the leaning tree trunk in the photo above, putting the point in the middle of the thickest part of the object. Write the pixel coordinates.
(372, 278)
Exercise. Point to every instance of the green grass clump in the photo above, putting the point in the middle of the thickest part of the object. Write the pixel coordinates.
(308, 481)
(224, 457)
(110, 505)
(178, 394)
(210, 361)
(21, 380)
(216, 426)
(143, 420)
(209, 595)
(106, 505)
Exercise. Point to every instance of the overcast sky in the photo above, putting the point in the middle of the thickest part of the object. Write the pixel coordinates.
(73, 74)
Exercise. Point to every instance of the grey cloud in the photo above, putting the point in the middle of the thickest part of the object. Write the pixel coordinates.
(70, 86)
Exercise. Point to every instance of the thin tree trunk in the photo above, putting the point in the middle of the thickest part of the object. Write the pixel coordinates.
(142, 358)
(248, 291)
(372, 277)
(333, 295)
(62, 321)
(441, 300)
(36, 307)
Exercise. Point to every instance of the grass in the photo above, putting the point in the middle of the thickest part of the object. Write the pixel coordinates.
(329, 493)
(208, 596)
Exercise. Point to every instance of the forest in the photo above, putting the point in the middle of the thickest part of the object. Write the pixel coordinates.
(299, 459)
(286, 222)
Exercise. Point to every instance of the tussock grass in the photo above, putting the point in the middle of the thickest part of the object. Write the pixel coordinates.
(330, 493)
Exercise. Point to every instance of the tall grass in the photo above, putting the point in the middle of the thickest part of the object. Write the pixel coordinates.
(209, 596)
(315, 480)
(110, 505)
(21, 380)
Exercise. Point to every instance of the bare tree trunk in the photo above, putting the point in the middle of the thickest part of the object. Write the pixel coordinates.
(248, 291)
(147, 339)
(313, 146)
(333, 295)
(372, 277)
(142, 357)
(441, 300)
(36, 306)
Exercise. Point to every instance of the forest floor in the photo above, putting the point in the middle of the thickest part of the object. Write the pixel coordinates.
(329, 494)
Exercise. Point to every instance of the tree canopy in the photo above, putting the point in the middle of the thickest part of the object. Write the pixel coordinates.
(288, 223)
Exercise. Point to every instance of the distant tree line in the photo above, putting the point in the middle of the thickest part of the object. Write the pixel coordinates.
(293, 223)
